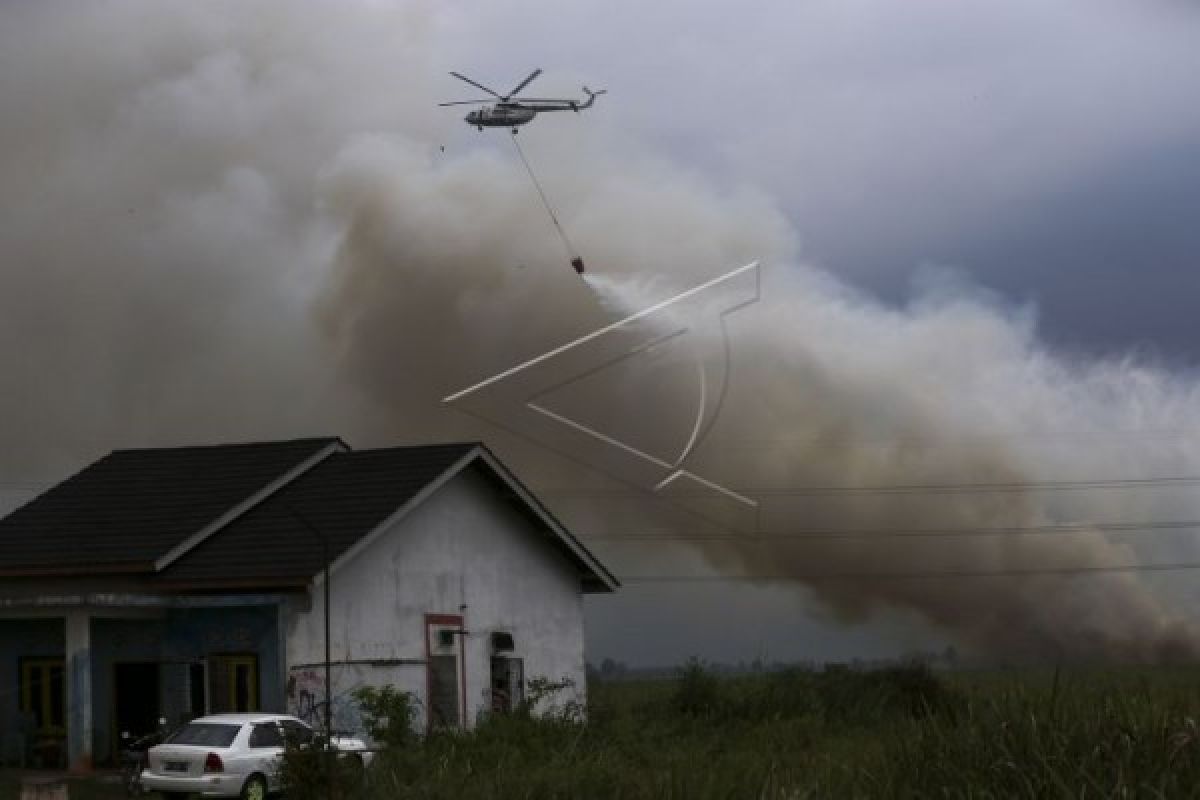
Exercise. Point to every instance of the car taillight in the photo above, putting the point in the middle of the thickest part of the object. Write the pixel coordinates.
(212, 763)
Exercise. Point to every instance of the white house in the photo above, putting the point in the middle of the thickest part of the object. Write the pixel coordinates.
(181, 581)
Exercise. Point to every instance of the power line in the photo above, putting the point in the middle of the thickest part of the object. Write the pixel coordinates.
(950, 440)
(817, 577)
(760, 537)
(1013, 486)
(916, 488)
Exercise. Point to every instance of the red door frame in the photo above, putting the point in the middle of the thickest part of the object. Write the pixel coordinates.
(457, 621)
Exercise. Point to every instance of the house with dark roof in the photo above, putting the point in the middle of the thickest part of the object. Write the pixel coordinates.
(176, 582)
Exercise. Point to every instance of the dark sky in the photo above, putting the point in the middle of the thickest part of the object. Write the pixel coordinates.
(1048, 152)
(167, 215)
(1111, 260)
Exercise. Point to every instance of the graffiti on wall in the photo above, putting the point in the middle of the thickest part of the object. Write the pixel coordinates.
(306, 697)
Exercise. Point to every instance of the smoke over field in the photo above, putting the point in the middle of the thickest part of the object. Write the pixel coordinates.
(228, 223)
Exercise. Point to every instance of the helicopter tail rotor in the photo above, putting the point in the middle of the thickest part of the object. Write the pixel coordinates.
(591, 98)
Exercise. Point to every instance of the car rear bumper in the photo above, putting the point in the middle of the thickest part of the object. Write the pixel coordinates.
(211, 785)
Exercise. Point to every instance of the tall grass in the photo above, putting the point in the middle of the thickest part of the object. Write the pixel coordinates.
(903, 732)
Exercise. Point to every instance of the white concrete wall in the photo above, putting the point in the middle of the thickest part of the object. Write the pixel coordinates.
(465, 550)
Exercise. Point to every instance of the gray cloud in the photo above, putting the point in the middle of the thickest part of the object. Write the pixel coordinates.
(222, 222)
(896, 135)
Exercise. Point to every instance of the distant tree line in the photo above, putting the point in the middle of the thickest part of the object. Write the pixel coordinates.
(611, 669)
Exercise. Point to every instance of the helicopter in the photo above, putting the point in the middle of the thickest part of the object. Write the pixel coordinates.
(510, 111)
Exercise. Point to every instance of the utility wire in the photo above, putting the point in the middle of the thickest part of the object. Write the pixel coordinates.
(930, 488)
(571, 252)
(934, 488)
(817, 577)
(808, 440)
(761, 537)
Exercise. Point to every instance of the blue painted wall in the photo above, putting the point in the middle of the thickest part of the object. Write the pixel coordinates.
(179, 636)
(184, 635)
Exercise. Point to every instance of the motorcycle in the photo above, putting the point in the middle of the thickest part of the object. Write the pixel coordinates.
(133, 757)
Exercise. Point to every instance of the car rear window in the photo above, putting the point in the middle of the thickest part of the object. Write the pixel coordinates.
(205, 734)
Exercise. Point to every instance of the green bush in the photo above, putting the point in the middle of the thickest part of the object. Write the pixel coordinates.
(311, 772)
(697, 690)
(869, 696)
(388, 714)
(314, 773)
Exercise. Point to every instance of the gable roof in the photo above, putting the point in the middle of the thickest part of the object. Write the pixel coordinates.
(595, 576)
(341, 500)
(131, 507)
(254, 515)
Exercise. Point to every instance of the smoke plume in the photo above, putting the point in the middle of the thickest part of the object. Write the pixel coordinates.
(236, 222)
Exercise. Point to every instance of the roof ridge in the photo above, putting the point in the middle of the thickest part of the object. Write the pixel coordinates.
(264, 493)
(465, 444)
(217, 445)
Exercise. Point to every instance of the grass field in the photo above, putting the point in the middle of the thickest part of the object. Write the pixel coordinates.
(896, 733)
(902, 732)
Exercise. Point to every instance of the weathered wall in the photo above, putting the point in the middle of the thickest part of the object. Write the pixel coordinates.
(306, 690)
(465, 550)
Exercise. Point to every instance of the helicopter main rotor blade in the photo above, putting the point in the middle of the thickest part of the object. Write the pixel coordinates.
(467, 102)
(525, 82)
(476, 85)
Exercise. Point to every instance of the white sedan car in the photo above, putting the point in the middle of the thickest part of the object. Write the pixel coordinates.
(232, 755)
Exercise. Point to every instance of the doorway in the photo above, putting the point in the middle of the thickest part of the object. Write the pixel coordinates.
(445, 680)
(43, 695)
(233, 683)
(136, 696)
(508, 684)
(43, 703)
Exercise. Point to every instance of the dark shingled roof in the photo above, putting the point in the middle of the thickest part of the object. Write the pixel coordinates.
(148, 516)
(133, 506)
(344, 498)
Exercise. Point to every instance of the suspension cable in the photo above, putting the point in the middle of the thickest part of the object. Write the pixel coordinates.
(571, 251)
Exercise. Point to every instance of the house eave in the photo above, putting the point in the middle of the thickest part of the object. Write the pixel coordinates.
(597, 579)
(146, 600)
(77, 570)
